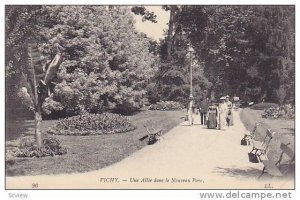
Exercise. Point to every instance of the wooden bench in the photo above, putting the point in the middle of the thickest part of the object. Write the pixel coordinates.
(274, 168)
(248, 137)
(261, 147)
(153, 135)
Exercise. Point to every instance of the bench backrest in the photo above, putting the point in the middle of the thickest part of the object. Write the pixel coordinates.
(269, 135)
(252, 132)
(255, 126)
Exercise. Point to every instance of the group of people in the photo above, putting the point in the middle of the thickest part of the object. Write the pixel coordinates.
(217, 116)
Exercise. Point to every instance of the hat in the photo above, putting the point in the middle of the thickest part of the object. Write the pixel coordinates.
(223, 98)
(227, 96)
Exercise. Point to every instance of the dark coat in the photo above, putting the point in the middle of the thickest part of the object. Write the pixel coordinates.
(203, 106)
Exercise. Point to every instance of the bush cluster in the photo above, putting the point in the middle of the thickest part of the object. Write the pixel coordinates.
(285, 111)
(166, 105)
(92, 124)
(26, 147)
(288, 111)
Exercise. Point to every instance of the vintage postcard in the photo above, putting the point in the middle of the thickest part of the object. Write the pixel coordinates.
(150, 97)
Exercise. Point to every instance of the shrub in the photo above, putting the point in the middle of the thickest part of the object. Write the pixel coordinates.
(92, 124)
(166, 105)
(286, 111)
(272, 112)
(10, 156)
(49, 105)
(127, 108)
(26, 147)
(51, 147)
(25, 98)
(153, 93)
(263, 105)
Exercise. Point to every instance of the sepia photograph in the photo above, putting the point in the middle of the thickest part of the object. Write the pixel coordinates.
(150, 97)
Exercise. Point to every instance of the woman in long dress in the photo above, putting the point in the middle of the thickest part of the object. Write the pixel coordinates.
(190, 111)
(223, 109)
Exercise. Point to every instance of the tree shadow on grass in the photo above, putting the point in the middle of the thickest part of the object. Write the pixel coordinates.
(288, 172)
(14, 172)
(251, 172)
(15, 128)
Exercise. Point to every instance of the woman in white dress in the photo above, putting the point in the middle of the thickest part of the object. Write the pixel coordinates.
(191, 108)
(223, 109)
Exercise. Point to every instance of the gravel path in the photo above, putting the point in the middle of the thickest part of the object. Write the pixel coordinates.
(191, 157)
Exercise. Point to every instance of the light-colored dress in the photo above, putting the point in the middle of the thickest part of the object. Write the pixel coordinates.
(191, 112)
(196, 117)
(223, 109)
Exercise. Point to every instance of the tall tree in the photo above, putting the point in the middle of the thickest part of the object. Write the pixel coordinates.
(173, 9)
(23, 54)
(246, 50)
(107, 63)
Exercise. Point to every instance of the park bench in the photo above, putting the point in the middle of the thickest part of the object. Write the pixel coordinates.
(153, 135)
(248, 137)
(261, 147)
(274, 168)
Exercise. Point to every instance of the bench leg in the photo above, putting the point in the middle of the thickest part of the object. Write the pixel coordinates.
(258, 155)
(252, 150)
(248, 140)
(151, 139)
(158, 136)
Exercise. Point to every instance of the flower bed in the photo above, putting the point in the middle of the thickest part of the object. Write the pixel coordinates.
(92, 124)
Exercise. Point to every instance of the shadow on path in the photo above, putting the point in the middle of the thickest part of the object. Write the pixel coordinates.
(236, 172)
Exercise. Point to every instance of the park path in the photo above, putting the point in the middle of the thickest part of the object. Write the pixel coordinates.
(191, 157)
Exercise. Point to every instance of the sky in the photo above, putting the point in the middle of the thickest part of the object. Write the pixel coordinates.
(153, 30)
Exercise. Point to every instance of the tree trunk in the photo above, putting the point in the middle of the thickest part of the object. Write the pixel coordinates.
(34, 88)
(38, 133)
(170, 32)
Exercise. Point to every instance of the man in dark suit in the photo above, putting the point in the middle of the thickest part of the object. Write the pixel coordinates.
(204, 103)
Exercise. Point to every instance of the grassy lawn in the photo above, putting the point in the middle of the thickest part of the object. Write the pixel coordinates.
(285, 130)
(86, 153)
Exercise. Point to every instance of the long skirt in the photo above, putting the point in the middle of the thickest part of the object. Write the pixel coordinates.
(196, 119)
(222, 122)
(211, 120)
(230, 116)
